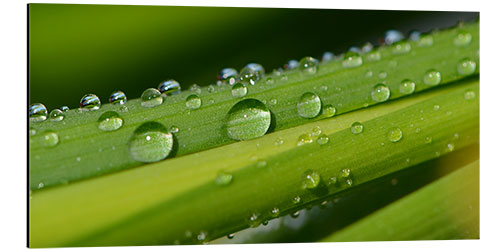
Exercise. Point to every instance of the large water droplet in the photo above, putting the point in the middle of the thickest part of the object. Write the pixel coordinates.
(463, 38)
(401, 48)
(223, 179)
(310, 179)
(352, 60)
(432, 77)
(466, 67)
(395, 134)
(118, 97)
(393, 36)
(309, 65)
(50, 139)
(169, 87)
(110, 121)
(150, 142)
(56, 115)
(239, 90)
(193, 102)
(407, 87)
(90, 102)
(357, 128)
(248, 119)
(228, 75)
(381, 93)
(309, 105)
(151, 97)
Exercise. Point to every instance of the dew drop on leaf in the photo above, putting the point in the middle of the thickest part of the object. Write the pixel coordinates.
(322, 139)
(310, 179)
(247, 119)
(90, 102)
(327, 56)
(352, 60)
(357, 128)
(380, 93)
(38, 112)
(50, 139)
(239, 90)
(151, 97)
(308, 65)
(193, 102)
(223, 179)
(395, 134)
(466, 67)
(64, 109)
(401, 48)
(118, 97)
(329, 110)
(309, 105)
(432, 77)
(150, 142)
(110, 121)
(407, 87)
(56, 115)
(228, 75)
(463, 38)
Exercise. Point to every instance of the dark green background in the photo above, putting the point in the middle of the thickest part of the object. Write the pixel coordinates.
(80, 49)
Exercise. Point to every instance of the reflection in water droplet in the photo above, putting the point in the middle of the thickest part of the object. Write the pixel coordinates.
(327, 56)
(239, 90)
(228, 75)
(118, 97)
(174, 129)
(251, 73)
(64, 109)
(151, 97)
(56, 115)
(296, 199)
(275, 212)
(395, 134)
(169, 87)
(150, 142)
(309, 105)
(295, 214)
(110, 121)
(292, 64)
(381, 93)
(90, 102)
(428, 139)
(316, 131)
(248, 119)
(310, 179)
(309, 65)
(393, 36)
(193, 102)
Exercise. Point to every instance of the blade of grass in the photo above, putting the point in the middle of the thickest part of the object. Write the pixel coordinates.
(445, 209)
(179, 200)
(85, 151)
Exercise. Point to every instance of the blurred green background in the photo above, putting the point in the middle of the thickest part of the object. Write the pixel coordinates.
(80, 49)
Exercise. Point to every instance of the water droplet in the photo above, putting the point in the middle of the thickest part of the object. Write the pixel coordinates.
(40, 185)
(269, 80)
(466, 67)
(295, 214)
(279, 141)
(174, 129)
(367, 47)
(273, 101)
(450, 147)
(56, 115)
(381, 93)
(309, 65)
(369, 74)
(309, 105)
(32, 131)
(407, 87)
(395, 134)
(316, 131)
(275, 212)
(469, 95)
(436, 107)
(329, 110)
(90, 102)
(230, 236)
(248, 119)
(118, 97)
(355, 49)
(428, 139)
(254, 220)
(193, 102)
(110, 121)
(348, 182)
(310, 179)
(393, 36)
(228, 75)
(239, 90)
(292, 64)
(304, 139)
(373, 56)
(432, 77)
(150, 142)
(64, 109)
(195, 88)
(425, 41)
(223, 179)
(50, 139)
(151, 97)
(251, 73)
(382, 75)
(169, 87)
(296, 199)
(352, 60)
(38, 112)
(463, 38)
(332, 180)
(414, 35)
(401, 48)
(211, 88)
(327, 56)
(202, 236)
(357, 128)
(323, 139)
(345, 173)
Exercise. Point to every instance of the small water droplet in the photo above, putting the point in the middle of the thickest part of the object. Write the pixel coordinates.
(248, 119)
(352, 60)
(40, 185)
(32, 131)
(425, 41)
(254, 220)
(466, 67)
(193, 102)
(251, 73)
(90, 102)
(329, 110)
(357, 128)
(275, 212)
(151, 97)
(414, 35)
(407, 87)
(304, 139)
(309, 65)
(202, 236)
(195, 88)
(309, 105)
(295, 214)
(395, 134)
(223, 179)
(401, 48)
(279, 141)
(110, 121)
(50, 139)
(436, 107)
(310, 179)
(463, 38)
(432, 77)
(239, 90)
(348, 182)
(316, 131)
(292, 64)
(174, 129)
(78, 159)
(38, 112)
(261, 164)
(327, 56)
(296, 199)
(230, 236)
(56, 115)
(64, 109)
(332, 180)
(228, 75)
(369, 74)
(381, 93)
(450, 147)
(367, 47)
(373, 56)
(393, 36)
(269, 80)
(428, 139)
(322, 139)
(150, 142)
(345, 173)
(211, 88)
(456, 136)
(169, 87)
(118, 97)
